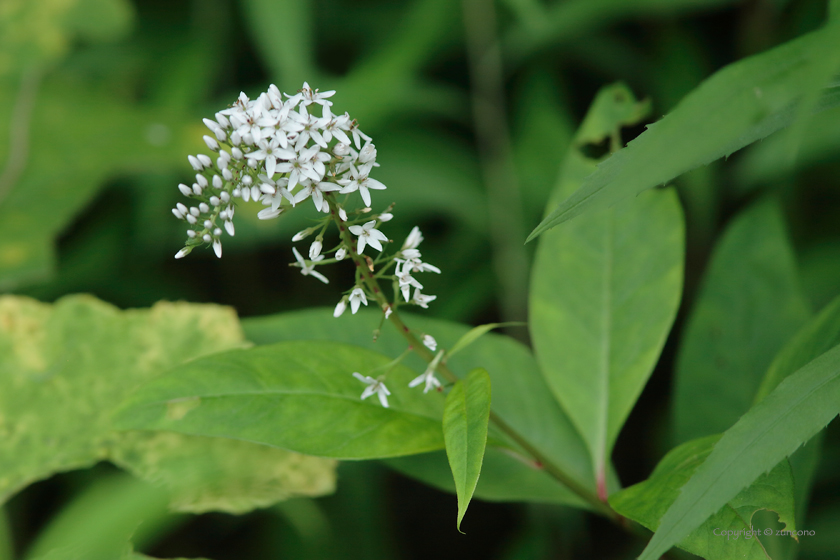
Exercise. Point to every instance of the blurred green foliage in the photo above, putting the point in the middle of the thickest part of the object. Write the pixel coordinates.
(101, 100)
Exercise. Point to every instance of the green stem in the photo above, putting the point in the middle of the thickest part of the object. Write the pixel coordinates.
(545, 463)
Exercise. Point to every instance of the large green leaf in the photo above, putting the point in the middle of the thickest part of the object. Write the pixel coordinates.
(748, 307)
(64, 367)
(521, 399)
(605, 291)
(740, 104)
(818, 336)
(299, 396)
(648, 501)
(465, 419)
(773, 429)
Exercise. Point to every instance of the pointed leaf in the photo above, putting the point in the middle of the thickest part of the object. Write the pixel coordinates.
(647, 501)
(465, 420)
(740, 104)
(605, 291)
(521, 398)
(749, 305)
(269, 395)
(773, 429)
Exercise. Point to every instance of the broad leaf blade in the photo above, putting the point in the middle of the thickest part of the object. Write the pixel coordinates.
(465, 419)
(794, 412)
(749, 306)
(740, 104)
(64, 367)
(605, 291)
(648, 501)
(521, 398)
(298, 396)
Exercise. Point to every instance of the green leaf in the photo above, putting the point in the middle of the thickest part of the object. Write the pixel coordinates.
(740, 104)
(818, 336)
(749, 305)
(65, 367)
(100, 520)
(773, 429)
(648, 501)
(299, 396)
(477, 332)
(521, 399)
(605, 291)
(465, 419)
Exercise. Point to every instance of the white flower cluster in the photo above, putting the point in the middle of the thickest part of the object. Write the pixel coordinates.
(276, 151)
(273, 150)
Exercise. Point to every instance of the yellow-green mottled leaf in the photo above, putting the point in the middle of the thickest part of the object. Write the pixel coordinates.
(648, 501)
(64, 367)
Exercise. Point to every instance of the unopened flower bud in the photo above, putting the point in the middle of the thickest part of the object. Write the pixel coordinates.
(217, 182)
(341, 149)
(339, 309)
(315, 249)
(207, 238)
(214, 200)
(203, 207)
(185, 190)
(211, 143)
(201, 180)
(340, 254)
(205, 160)
(194, 162)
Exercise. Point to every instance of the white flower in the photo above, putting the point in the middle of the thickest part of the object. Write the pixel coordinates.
(314, 96)
(388, 310)
(315, 249)
(361, 182)
(430, 342)
(422, 300)
(310, 270)
(428, 376)
(406, 282)
(373, 386)
(357, 297)
(367, 234)
(339, 309)
(271, 151)
(340, 254)
(316, 191)
(413, 240)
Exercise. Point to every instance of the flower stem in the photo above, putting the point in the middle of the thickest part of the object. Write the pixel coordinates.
(546, 464)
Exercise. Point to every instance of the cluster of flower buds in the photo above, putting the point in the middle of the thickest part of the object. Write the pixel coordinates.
(276, 150)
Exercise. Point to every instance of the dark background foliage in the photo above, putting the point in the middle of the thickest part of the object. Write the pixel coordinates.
(470, 141)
